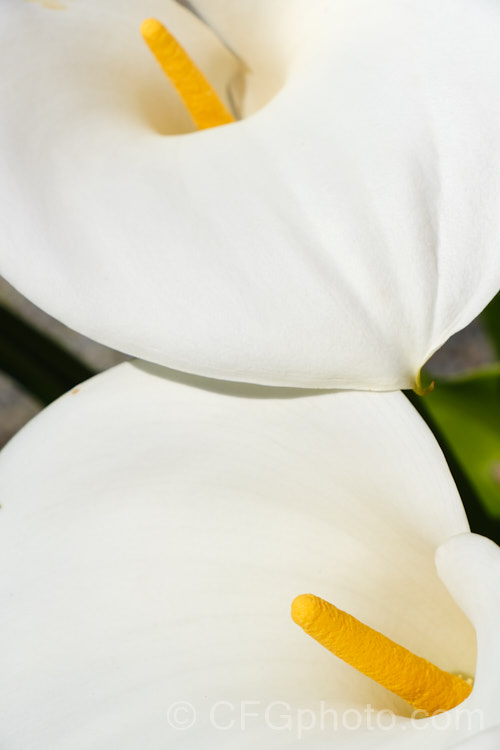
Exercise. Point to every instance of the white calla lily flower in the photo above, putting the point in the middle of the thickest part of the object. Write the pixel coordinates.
(335, 236)
(156, 527)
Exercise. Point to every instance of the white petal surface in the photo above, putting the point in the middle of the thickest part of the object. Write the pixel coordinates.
(489, 740)
(335, 237)
(470, 567)
(155, 529)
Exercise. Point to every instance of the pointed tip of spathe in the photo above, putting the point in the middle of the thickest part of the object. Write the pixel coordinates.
(419, 388)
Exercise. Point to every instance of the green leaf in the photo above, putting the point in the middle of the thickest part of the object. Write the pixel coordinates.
(491, 321)
(466, 410)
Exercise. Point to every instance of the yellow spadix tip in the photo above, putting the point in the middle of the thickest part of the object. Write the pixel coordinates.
(198, 95)
(151, 28)
(420, 683)
(305, 609)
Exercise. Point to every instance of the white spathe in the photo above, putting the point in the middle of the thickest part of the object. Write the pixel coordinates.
(156, 527)
(334, 237)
